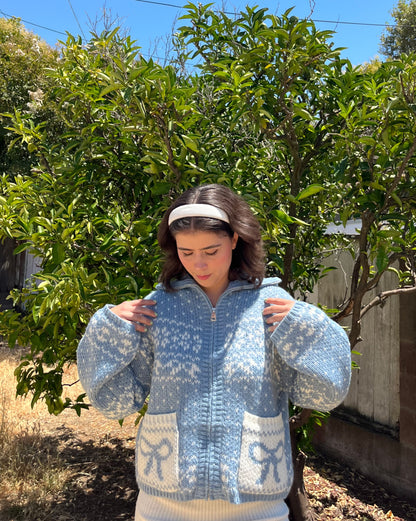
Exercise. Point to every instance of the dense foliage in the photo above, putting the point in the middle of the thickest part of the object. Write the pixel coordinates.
(23, 60)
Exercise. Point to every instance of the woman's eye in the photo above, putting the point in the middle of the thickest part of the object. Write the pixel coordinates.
(212, 252)
(186, 254)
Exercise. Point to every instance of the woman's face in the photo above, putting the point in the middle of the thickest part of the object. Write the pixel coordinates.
(206, 256)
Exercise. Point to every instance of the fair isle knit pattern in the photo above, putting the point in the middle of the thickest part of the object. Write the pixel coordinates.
(217, 421)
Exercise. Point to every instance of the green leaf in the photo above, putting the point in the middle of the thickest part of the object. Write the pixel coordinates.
(310, 190)
(190, 143)
(282, 216)
(21, 247)
(303, 113)
(161, 188)
(367, 140)
(58, 253)
(377, 186)
(382, 260)
(397, 199)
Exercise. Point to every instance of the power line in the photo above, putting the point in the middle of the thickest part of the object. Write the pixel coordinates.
(76, 18)
(167, 5)
(59, 32)
(351, 23)
(234, 14)
(32, 23)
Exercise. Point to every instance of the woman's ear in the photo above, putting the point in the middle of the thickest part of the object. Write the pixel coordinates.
(234, 240)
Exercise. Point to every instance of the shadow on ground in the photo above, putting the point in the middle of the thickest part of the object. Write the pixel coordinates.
(100, 485)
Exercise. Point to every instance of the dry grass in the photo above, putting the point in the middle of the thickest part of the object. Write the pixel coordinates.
(52, 467)
(31, 470)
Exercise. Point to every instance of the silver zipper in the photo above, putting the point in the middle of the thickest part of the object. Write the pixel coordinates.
(213, 315)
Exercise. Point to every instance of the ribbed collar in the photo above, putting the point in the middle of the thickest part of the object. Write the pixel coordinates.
(189, 282)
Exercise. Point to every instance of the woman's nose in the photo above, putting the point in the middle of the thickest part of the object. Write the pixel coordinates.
(200, 263)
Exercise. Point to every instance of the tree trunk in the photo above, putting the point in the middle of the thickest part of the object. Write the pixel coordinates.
(297, 500)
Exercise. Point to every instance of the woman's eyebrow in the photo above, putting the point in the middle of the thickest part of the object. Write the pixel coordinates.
(206, 247)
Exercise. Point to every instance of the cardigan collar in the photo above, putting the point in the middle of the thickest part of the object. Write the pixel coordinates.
(189, 282)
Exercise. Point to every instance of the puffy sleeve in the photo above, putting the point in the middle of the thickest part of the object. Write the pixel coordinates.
(115, 364)
(313, 358)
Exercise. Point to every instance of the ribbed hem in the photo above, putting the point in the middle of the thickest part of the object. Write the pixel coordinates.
(153, 508)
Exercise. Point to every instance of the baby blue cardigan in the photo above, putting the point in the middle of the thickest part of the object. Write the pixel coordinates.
(217, 421)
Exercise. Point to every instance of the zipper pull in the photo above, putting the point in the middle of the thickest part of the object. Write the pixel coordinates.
(213, 315)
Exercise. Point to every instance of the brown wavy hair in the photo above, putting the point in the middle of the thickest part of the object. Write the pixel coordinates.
(248, 260)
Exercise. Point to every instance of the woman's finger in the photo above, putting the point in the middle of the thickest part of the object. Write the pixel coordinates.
(136, 311)
(276, 311)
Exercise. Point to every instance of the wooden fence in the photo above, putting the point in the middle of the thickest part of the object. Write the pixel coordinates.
(14, 269)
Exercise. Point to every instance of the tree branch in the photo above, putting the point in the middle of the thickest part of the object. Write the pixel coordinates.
(297, 420)
(380, 299)
(376, 279)
(396, 180)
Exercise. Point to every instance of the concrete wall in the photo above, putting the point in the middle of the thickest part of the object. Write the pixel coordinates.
(384, 459)
(375, 430)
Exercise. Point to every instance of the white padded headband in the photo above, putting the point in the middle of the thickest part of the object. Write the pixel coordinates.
(197, 210)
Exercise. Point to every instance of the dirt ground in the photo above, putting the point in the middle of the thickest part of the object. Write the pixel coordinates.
(98, 457)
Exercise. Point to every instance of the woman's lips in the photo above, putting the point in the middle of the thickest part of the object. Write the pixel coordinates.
(203, 277)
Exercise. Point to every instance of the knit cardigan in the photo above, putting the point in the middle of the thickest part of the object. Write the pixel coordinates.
(217, 423)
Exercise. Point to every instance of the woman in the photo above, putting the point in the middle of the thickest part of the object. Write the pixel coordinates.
(221, 350)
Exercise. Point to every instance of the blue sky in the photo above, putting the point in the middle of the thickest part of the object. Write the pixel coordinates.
(150, 24)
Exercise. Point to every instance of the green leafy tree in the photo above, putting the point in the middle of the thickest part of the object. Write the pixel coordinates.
(376, 167)
(270, 75)
(24, 57)
(399, 38)
(90, 208)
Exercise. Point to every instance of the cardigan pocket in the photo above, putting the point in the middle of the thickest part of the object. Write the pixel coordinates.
(263, 465)
(157, 452)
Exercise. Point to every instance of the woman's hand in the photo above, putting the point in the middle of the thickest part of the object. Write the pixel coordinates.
(278, 308)
(137, 312)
